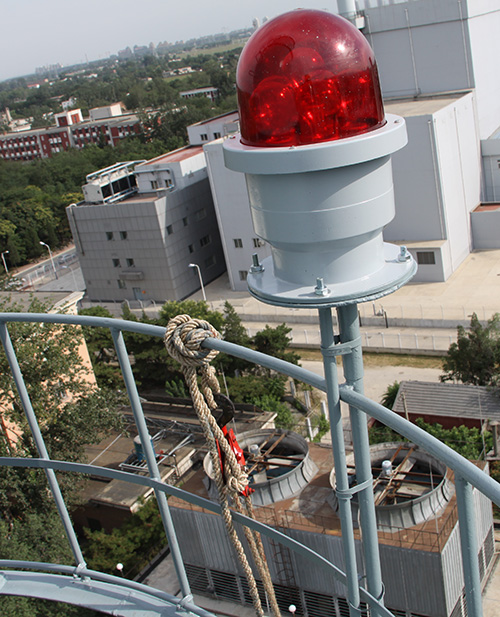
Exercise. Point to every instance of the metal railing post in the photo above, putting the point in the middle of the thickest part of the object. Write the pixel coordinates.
(338, 447)
(150, 456)
(39, 443)
(468, 542)
(353, 371)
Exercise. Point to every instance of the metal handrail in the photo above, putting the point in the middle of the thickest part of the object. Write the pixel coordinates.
(467, 474)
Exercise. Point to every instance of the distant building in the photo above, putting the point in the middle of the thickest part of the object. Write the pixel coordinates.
(209, 92)
(106, 125)
(140, 226)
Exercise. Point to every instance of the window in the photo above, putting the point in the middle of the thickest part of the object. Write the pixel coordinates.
(121, 284)
(200, 214)
(185, 221)
(204, 137)
(154, 184)
(116, 263)
(257, 242)
(170, 230)
(210, 261)
(238, 243)
(123, 235)
(243, 275)
(426, 258)
(109, 235)
(205, 240)
(216, 135)
(130, 262)
(191, 248)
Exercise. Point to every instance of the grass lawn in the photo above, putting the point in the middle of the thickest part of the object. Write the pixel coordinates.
(383, 359)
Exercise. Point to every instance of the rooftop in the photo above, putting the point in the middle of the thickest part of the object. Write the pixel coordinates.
(172, 157)
(420, 106)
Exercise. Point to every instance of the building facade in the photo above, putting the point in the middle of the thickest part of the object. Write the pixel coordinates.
(70, 131)
(142, 224)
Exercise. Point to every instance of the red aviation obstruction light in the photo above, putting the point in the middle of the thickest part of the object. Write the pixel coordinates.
(315, 147)
(305, 77)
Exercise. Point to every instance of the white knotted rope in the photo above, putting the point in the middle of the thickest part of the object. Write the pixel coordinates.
(183, 339)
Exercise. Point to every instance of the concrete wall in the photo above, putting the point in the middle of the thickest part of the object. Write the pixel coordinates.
(432, 53)
(486, 229)
(437, 184)
(441, 46)
(159, 241)
(232, 208)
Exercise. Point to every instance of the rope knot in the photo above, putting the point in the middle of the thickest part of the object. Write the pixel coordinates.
(183, 338)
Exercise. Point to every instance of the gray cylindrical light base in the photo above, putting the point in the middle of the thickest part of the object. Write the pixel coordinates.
(322, 208)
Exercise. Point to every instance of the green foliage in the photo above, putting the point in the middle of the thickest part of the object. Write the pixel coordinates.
(130, 544)
(275, 342)
(233, 331)
(383, 434)
(72, 413)
(176, 387)
(250, 388)
(389, 397)
(469, 442)
(475, 357)
(323, 427)
(102, 350)
(284, 417)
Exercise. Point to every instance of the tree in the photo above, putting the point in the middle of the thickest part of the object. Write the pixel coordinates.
(72, 413)
(275, 342)
(475, 357)
(233, 332)
(389, 397)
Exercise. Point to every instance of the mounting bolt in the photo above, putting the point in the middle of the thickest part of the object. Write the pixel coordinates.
(404, 254)
(256, 265)
(321, 289)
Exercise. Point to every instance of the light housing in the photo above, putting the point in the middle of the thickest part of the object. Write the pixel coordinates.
(316, 150)
(305, 77)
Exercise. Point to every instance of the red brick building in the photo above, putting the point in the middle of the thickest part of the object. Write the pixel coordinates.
(70, 131)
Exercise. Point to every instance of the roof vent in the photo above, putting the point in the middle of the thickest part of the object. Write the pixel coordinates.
(278, 463)
(410, 486)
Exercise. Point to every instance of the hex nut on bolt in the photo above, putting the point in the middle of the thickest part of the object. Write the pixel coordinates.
(404, 254)
(321, 289)
(256, 265)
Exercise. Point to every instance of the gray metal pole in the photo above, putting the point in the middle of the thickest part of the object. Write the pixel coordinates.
(353, 372)
(468, 541)
(338, 447)
(150, 456)
(39, 442)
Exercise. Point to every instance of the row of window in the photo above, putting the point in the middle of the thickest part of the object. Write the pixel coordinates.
(129, 261)
(204, 136)
(257, 242)
(110, 235)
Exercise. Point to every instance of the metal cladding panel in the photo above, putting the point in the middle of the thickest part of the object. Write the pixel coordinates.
(484, 516)
(406, 573)
(453, 576)
(313, 578)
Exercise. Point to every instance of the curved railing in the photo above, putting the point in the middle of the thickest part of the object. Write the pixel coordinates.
(79, 585)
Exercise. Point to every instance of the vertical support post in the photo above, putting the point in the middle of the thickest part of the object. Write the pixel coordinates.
(150, 456)
(468, 541)
(353, 371)
(39, 443)
(338, 447)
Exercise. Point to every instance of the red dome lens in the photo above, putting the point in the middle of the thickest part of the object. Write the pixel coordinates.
(305, 77)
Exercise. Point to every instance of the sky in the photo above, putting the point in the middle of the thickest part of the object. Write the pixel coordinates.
(41, 32)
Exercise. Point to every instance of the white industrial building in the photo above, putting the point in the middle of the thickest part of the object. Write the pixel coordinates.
(142, 224)
(438, 72)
